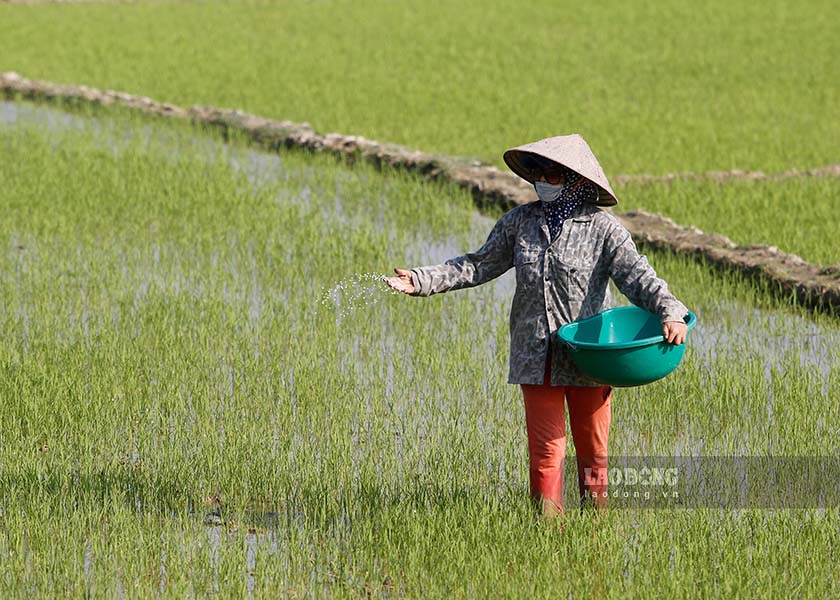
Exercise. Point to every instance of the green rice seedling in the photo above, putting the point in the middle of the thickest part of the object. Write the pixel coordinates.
(670, 88)
(182, 415)
(797, 215)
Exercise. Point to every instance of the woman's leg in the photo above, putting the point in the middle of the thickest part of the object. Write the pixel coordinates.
(589, 418)
(546, 422)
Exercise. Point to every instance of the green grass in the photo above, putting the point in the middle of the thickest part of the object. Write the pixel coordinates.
(653, 88)
(164, 343)
(798, 215)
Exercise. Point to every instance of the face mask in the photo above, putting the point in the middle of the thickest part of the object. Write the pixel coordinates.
(548, 192)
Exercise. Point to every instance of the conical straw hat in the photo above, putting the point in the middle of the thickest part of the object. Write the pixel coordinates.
(571, 151)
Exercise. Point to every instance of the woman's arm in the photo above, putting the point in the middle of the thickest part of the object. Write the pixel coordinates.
(637, 280)
(474, 268)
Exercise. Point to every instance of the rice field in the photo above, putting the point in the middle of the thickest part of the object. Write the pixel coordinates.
(670, 88)
(654, 88)
(194, 407)
(207, 392)
(798, 215)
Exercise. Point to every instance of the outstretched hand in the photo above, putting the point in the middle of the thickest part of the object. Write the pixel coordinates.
(674, 331)
(402, 282)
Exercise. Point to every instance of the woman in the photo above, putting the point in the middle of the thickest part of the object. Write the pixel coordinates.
(565, 248)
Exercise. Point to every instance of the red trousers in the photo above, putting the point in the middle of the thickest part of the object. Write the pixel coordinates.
(545, 416)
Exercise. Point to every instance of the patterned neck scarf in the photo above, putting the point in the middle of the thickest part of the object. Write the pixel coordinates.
(570, 199)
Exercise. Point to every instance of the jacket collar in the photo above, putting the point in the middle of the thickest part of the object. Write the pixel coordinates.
(584, 212)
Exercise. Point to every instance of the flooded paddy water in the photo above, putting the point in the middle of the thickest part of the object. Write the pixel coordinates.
(195, 406)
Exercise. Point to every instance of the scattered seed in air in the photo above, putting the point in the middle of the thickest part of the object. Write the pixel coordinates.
(359, 291)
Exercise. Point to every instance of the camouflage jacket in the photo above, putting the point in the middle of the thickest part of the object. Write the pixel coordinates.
(556, 282)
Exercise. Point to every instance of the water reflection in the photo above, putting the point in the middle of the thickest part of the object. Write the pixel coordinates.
(732, 331)
(260, 168)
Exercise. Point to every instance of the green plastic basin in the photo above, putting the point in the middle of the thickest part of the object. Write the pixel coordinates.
(623, 346)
